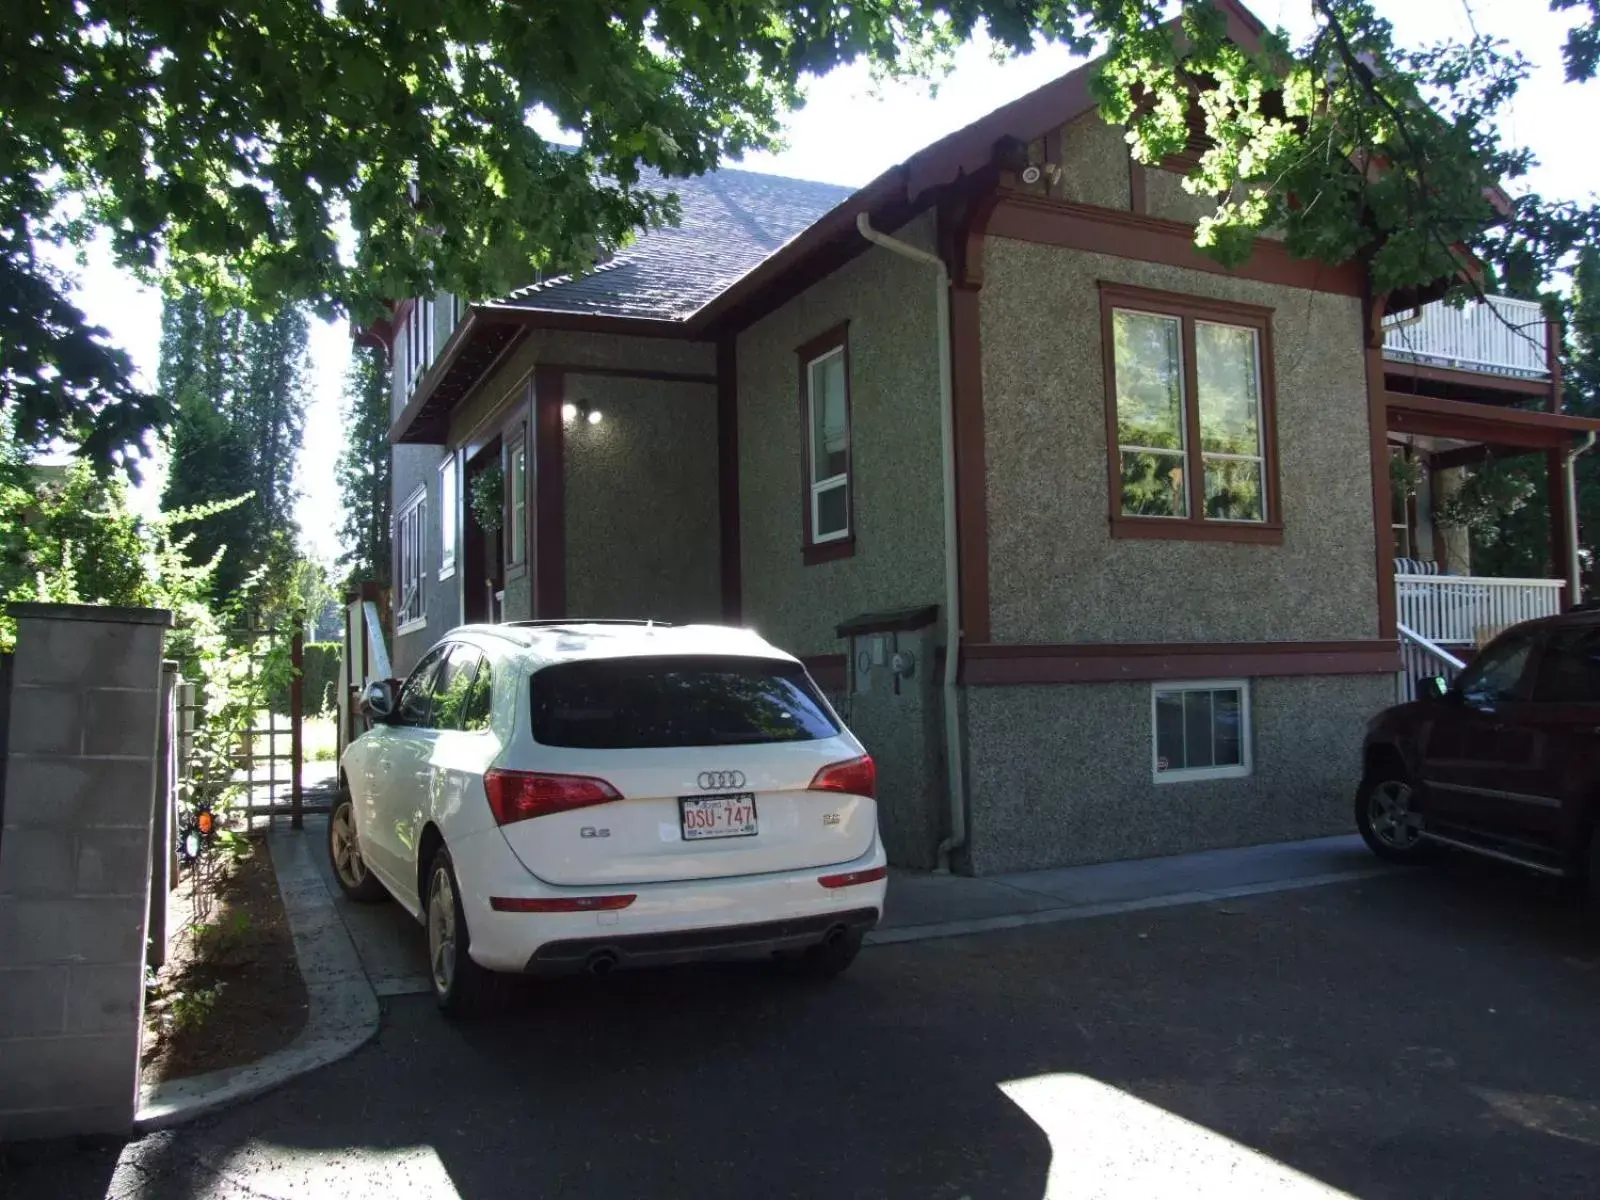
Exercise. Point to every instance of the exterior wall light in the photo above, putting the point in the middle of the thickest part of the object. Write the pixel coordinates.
(569, 413)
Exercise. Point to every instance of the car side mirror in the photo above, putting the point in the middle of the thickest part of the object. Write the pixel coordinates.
(1433, 687)
(377, 701)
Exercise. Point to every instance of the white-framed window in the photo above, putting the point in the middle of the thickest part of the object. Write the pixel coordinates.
(1200, 730)
(827, 387)
(410, 548)
(417, 338)
(449, 507)
(517, 500)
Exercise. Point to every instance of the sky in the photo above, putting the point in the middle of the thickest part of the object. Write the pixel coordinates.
(850, 131)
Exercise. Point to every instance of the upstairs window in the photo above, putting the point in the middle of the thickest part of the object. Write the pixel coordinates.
(826, 516)
(449, 505)
(410, 542)
(417, 339)
(1190, 417)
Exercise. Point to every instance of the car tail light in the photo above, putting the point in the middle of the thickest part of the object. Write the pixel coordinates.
(851, 878)
(564, 904)
(855, 776)
(520, 795)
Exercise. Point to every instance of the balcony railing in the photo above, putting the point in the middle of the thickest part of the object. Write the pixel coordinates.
(1499, 337)
(1468, 610)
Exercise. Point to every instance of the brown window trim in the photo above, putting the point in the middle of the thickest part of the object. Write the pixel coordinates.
(813, 552)
(1193, 527)
(516, 558)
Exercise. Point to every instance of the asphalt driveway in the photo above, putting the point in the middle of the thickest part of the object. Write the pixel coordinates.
(1423, 1033)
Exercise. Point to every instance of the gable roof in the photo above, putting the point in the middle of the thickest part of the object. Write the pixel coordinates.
(731, 221)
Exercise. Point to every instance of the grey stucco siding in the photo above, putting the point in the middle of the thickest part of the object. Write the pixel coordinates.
(1061, 775)
(641, 501)
(895, 455)
(1056, 573)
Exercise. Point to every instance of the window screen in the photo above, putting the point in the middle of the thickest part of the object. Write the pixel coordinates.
(635, 703)
(1201, 731)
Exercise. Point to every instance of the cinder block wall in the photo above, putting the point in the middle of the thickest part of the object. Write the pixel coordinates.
(75, 846)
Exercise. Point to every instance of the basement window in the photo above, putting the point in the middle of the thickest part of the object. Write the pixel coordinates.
(1200, 730)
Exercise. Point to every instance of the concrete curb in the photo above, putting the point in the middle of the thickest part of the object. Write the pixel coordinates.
(342, 1010)
(1082, 912)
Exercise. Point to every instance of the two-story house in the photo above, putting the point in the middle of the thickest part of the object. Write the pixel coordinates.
(1093, 539)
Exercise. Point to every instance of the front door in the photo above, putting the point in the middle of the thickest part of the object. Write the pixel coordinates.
(1471, 734)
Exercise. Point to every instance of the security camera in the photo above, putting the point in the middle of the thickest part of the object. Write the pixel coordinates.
(1031, 174)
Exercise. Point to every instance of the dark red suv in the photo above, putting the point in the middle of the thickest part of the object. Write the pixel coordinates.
(1504, 762)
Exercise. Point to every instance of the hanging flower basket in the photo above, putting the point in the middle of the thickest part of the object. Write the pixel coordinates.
(486, 492)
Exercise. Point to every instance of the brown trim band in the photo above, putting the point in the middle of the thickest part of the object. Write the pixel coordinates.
(963, 252)
(1477, 381)
(1151, 239)
(632, 373)
(1534, 429)
(990, 664)
(829, 670)
(728, 532)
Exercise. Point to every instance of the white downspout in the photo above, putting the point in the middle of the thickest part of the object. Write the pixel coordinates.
(1574, 594)
(954, 756)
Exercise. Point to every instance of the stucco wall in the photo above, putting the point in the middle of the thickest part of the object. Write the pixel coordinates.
(1094, 163)
(642, 536)
(1057, 575)
(1062, 775)
(894, 398)
(1164, 197)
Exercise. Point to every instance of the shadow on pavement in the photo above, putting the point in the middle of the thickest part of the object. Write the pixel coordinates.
(1425, 1033)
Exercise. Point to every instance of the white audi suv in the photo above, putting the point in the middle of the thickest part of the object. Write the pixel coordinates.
(550, 797)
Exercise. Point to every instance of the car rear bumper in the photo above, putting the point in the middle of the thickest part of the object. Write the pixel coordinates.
(601, 954)
(665, 922)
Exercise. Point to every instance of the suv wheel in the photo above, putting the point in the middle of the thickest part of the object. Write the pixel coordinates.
(1385, 818)
(344, 851)
(460, 986)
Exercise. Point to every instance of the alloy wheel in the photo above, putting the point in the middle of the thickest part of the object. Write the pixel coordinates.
(347, 860)
(1389, 811)
(442, 931)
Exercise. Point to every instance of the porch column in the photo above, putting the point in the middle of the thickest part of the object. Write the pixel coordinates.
(1562, 538)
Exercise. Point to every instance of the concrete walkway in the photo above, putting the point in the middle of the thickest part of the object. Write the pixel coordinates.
(922, 906)
(342, 1012)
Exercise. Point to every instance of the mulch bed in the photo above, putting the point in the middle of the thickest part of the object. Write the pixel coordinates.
(231, 990)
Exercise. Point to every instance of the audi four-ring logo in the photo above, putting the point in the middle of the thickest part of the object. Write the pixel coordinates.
(720, 781)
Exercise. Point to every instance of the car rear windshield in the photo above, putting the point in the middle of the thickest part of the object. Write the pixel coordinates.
(635, 703)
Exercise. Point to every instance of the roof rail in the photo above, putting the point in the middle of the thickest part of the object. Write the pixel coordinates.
(648, 622)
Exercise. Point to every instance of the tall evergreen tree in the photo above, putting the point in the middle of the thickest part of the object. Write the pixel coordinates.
(238, 388)
(364, 469)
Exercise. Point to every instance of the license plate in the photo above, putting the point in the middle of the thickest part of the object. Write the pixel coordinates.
(718, 816)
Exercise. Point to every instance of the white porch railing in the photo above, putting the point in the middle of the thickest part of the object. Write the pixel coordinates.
(1420, 658)
(1500, 337)
(1468, 610)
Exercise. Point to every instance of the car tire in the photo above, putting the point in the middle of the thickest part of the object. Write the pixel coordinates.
(461, 987)
(826, 960)
(1385, 818)
(344, 852)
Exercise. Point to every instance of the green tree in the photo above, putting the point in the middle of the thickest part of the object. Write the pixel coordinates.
(363, 469)
(226, 146)
(237, 386)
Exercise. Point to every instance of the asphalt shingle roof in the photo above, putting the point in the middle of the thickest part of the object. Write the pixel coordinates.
(731, 221)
